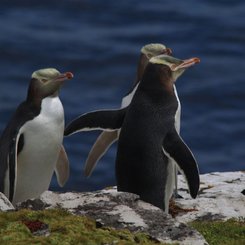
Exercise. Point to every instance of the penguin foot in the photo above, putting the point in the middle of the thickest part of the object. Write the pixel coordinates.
(175, 210)
(176, 195)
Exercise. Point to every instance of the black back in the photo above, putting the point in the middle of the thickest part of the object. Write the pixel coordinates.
(26, 111)
(141, 164)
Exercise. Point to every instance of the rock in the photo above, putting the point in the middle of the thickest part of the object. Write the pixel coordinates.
(220, 197)
(120, 210)
(5, 204)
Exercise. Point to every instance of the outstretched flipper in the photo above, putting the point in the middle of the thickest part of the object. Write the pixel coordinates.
(103, 142)
(106, 139)
(108, 120)
(62, 169)
(178, 150)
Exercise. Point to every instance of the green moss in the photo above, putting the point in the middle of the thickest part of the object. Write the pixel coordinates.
(228, 232)
(64, 228)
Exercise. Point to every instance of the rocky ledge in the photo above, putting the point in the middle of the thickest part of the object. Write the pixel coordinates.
(221, 197)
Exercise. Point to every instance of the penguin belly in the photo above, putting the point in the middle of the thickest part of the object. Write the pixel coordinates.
(170, 180)
(43, 138)
(143, 171)
(177, 127)
(178, 112)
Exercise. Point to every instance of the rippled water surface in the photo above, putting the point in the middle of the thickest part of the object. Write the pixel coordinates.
(99, 41)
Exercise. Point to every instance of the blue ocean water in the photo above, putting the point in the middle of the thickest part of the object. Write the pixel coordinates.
(99, 41)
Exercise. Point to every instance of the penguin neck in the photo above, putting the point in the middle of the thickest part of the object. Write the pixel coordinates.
(143, 61)
(55, 94)
(34, 96)
(52, 110)
(158, 78)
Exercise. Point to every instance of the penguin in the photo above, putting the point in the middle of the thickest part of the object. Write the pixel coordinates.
(106, 139)
(31, 147)
(148, 136)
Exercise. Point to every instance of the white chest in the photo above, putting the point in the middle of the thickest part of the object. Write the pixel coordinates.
(47, 128)
(43, 138)
(127, 99)
(178, 112)
(51, 116)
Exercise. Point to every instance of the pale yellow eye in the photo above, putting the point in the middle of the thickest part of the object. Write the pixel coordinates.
(173, 67)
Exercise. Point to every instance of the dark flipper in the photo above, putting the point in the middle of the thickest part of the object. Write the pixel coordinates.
(178, 150)
(13, 165)
(104, 119)
(11, 144)
(8, 151)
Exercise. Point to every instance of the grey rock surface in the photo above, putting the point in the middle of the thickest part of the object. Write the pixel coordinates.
(220, 197)
(5, 204)
(120, 210)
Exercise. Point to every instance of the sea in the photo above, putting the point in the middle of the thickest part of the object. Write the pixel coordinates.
(100, 42)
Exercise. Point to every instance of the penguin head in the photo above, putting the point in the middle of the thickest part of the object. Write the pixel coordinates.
(47, 82)
(175, 66)
(154, 49)
(147, 52)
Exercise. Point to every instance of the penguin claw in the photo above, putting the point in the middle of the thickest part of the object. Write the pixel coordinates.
(176, 195)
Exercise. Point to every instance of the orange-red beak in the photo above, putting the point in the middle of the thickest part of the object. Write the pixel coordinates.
(186, 63)
(64, 76)
(69, 75)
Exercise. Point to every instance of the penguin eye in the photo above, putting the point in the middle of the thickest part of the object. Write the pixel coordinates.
(173, 67)
(148, 55)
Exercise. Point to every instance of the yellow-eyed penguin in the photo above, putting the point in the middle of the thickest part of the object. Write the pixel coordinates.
(31, 145)
(148, 137)
(107, 138)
